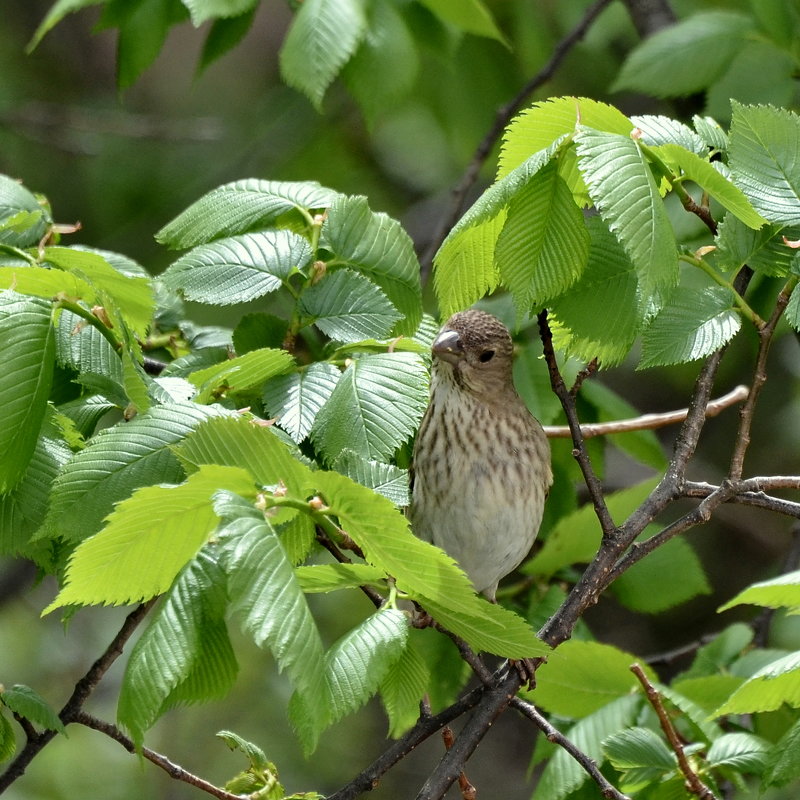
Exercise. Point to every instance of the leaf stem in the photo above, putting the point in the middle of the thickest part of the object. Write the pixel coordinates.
(92, 319)
(741, 303)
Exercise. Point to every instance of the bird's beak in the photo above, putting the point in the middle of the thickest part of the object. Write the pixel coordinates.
(447, 346)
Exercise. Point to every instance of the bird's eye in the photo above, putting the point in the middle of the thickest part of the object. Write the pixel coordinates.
(486, 355)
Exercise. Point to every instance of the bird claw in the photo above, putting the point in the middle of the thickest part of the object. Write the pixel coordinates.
(526, 668)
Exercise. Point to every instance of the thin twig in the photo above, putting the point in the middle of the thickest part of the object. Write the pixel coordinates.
(173, 770)
(647, 421)
(465, 787)
(693, 782)
(579, 450)
(502, 118)
(765, 336)
(83, 688)
(555, 736)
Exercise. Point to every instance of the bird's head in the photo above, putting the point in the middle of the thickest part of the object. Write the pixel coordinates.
(476, 348)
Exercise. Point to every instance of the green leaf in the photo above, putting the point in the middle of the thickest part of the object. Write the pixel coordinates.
(132, 296)
(255, 755)
(203, 10)
(83, 348)
(764, 157)
(744, 752)
(711, 132)
(403, 686)
(378, 246)
(295, 399)
(686, 57)
(223, 35)
(385, 479)
(768, 689)
(27, 353)
(355, 417)
(702, 172)
(580, 678)
(623, 189)
(240, 373)
(184, 654)
(601, 312)
(576, 537)
(424, 571)
(721, 652)
(544, 245)
(116, 462)
(539, 126)
(239, 442)
(321, 39)
(57, 12)
(470, 16)
(783, 761)
(147, 540)
(32, 706)
(8, 742)
(692, 325)
(332, 577)
(762, 250)
(23, 509)
(272, 609)
(658, 130)
(348, 307)
(241, 206)
(45, 282)
(669, 576)
(562, 774)
(776, 593)
(240, 268)
(23, 220)
(638, 747)
(695, 713)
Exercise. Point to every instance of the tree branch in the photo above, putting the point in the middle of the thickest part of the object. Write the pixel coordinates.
(502, 118)
(553, 735)
(173, 770)
(83, 688)
(647, 421)
(693, 782)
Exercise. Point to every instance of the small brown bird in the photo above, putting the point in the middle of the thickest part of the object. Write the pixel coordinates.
(481, 467)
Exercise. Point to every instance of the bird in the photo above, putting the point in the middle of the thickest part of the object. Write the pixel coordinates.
(481, 467)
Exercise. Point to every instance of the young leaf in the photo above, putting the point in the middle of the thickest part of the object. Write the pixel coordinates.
(783, 760)
(348, 307)
(775, 593)
(375, 407)
(562, 774)
(184, 654)
(147, 540)
(385, 479)
(711, 132)
(741, 751)
(762, 250)
(544, 244)
(240, 373)
(272, 609)
(768, 689)
(692, 325)
(239, 207)
(117, 461)
(721, 652)
(580, 678)
(378, 246)
(27, 352)
(764, 157)
(240, 268)
(203, 10)
(657, 130)
(471, 16)
(332, 577)
(321, 39)
(639, 747)
(23, 220)
(239, 442)
(295, 399)
(224, 34)
(686, 57)
(623, 189)
(32, 706)
(424, 571)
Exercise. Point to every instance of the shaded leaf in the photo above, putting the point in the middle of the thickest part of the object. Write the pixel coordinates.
(23, 220)
(638, 747)
(32, 706)
(386, 479)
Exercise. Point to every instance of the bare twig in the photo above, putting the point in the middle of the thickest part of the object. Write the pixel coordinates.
(647, 421)
(465, 787)
(502, 118)
(173, 770)
(579, 450)
(553, 735)
(752, 492)
(83, 688)
(693, 782)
